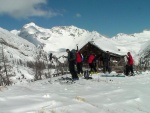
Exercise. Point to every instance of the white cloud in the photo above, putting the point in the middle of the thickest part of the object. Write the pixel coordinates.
(25, 8)
(78, 15)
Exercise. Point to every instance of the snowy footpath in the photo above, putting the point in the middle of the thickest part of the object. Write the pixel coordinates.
(97, 95)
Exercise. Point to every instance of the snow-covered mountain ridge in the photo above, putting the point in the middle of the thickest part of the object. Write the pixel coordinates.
(57, 39)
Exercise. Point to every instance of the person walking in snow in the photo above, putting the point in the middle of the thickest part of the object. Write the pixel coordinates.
(106, 62)
(130, 62)
(79, 62)
(91, 63)
(72, 61)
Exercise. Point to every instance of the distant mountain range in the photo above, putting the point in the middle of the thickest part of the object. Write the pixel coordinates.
(57, 39)
(30, 37)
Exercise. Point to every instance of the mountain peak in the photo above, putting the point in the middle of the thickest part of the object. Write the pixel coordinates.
(30, 24)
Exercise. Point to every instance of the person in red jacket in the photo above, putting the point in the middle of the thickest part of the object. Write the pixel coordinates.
(129, 64)
(79, 62)
(91, 64)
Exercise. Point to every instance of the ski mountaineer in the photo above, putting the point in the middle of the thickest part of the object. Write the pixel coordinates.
(129, 67)
(72, 61)
(79, 62)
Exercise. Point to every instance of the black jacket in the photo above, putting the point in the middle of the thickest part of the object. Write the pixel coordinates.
(106, 57)
(71, 57)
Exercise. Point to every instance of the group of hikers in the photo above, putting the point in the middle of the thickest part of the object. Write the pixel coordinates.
(76, 58)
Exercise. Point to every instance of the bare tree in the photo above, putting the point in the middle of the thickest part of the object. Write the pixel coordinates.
(3, 60)
(46, 58)
(39, 66)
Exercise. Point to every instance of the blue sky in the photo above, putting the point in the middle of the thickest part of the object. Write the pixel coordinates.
(108, 17)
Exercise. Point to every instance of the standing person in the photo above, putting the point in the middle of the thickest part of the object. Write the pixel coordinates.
(91, 63)
(106, 62)
(79, 62)
(72, 61)
(129, 67)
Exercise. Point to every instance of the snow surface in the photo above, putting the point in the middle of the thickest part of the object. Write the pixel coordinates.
(97, 95)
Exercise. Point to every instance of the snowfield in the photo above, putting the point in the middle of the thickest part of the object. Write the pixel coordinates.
(97, 95)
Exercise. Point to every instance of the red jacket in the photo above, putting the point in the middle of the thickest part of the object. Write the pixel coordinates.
(130, 60)
(78, 57)
(91, 58)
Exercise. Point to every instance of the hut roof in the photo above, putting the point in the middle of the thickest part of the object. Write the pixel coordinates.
(104, 46)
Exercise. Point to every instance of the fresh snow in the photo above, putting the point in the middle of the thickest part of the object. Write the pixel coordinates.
(97, 95)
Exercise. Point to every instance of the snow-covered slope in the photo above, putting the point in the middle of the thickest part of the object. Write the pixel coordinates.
(17, 52)
(16, 47)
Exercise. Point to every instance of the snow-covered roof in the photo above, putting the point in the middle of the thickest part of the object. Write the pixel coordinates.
(105, 46)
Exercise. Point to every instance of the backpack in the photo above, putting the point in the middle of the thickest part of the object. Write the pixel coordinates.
(73, 51)
(87, 75)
